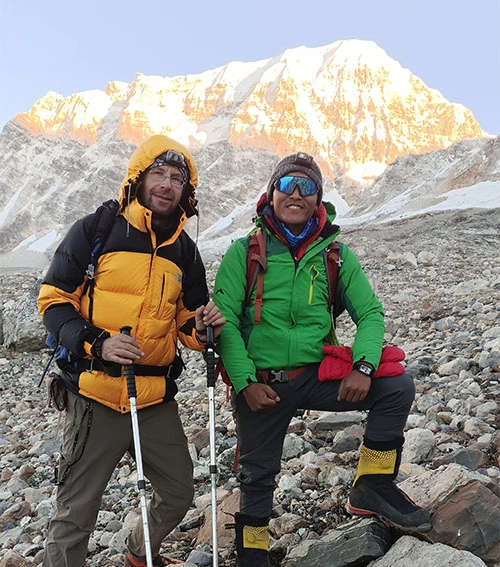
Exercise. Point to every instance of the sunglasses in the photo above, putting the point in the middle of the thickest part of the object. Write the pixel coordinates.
(306, 186)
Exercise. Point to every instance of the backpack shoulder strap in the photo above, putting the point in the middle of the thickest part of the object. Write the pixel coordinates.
(256, 267)
(333, 261)
(102, 224)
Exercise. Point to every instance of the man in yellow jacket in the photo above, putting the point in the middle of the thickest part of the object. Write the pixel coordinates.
(148, 276)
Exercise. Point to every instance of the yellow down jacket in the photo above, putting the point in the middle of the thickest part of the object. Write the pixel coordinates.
(152, 287)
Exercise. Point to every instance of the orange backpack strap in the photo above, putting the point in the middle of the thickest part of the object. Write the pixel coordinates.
(256, 267)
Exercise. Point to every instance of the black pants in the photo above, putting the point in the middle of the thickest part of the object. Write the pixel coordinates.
(261, 434)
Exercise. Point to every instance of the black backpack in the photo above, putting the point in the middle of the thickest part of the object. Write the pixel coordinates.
(102, 224)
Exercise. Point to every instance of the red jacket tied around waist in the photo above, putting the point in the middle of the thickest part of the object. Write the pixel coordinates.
(337, 364)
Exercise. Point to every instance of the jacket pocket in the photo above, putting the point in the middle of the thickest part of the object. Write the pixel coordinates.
(170, 290)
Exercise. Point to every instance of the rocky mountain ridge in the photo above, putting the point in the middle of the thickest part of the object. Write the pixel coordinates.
(348, 103)
(350, 100)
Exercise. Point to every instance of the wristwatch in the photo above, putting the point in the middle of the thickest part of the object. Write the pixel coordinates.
(96, 348)
(364, 368)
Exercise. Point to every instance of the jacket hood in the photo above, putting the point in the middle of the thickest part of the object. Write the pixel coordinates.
(144, 156)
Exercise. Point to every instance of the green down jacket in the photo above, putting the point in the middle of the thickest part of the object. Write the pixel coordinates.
(295, 320)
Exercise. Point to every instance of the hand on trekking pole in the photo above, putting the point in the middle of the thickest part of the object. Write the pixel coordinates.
(209, 315)
(122, 349)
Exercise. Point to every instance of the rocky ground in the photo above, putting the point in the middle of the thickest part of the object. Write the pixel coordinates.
(439, 279)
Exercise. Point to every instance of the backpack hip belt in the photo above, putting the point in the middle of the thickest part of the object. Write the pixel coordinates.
(279, 376)
(115, 370)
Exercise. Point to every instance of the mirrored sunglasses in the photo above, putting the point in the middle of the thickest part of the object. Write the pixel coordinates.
(288, 183)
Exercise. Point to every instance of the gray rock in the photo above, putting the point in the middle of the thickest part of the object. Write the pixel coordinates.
(448, 331)
(411, 552)
(355, 544)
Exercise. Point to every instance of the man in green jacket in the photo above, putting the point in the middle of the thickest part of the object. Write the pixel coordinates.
(274, 364)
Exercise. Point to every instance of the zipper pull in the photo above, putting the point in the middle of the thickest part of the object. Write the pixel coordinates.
(314, 274)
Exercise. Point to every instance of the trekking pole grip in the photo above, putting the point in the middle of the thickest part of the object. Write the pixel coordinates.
(210, 357)
(128, 369)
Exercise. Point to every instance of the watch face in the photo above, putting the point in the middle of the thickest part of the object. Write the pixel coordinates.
(364, 369)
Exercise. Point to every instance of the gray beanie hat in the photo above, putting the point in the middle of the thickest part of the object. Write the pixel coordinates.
(297, 162)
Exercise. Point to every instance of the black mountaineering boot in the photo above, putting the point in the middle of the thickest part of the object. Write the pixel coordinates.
(252, 541)
(375, 493)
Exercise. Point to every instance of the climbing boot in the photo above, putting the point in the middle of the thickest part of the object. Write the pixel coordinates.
(375, 493)
(252, 541)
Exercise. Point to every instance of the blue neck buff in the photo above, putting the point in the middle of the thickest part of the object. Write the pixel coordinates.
(294, 240)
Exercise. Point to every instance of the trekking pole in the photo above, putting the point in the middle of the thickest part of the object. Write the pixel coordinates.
(213, 465)
(141, 483)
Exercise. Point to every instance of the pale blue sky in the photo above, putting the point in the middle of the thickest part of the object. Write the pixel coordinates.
(68, 47)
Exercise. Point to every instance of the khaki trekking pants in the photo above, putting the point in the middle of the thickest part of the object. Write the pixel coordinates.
(94, 440)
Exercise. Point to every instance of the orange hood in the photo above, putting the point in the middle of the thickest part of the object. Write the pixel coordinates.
(144, 156)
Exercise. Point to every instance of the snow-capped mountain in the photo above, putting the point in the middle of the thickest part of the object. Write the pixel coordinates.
(348, 103)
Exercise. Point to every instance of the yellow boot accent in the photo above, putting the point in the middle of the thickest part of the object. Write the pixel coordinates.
(376, 462)
(256, 537)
